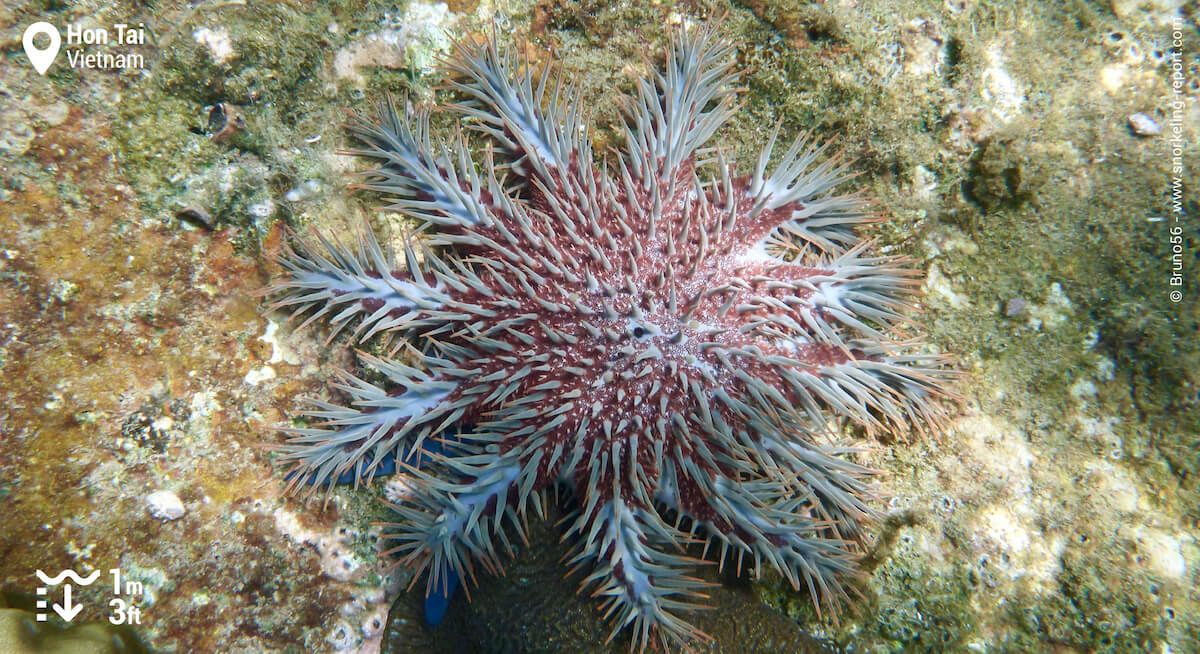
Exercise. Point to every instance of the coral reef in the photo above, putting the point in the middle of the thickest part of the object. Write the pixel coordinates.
(1059, 512)
(667, 343)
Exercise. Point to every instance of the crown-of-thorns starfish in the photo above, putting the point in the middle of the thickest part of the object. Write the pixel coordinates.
(662, 338)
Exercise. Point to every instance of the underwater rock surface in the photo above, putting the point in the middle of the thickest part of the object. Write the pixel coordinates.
(1059, 512)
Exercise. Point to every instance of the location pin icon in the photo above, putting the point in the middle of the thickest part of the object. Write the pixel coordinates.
(41, 58)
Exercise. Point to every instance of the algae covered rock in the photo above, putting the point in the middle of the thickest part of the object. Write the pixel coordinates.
(1013, 166)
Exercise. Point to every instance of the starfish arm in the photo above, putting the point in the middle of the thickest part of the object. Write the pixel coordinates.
(542, 132)
(642, 586)
(343, 286)
(456, 519)
(436, 185)
(766, 520)
(677, 111)
(508, 99)
(795, 205)
(830, 302)
(376, 427)
(842, 489)
(880, 388)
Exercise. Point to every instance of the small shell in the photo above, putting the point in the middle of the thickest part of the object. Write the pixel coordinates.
(224, 120)
(165, 505)
(1143, 125)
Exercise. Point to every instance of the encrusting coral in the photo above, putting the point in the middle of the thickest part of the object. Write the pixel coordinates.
(663, 339)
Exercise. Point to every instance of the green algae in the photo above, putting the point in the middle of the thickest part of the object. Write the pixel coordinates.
(285, 94)
(1097, 611)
